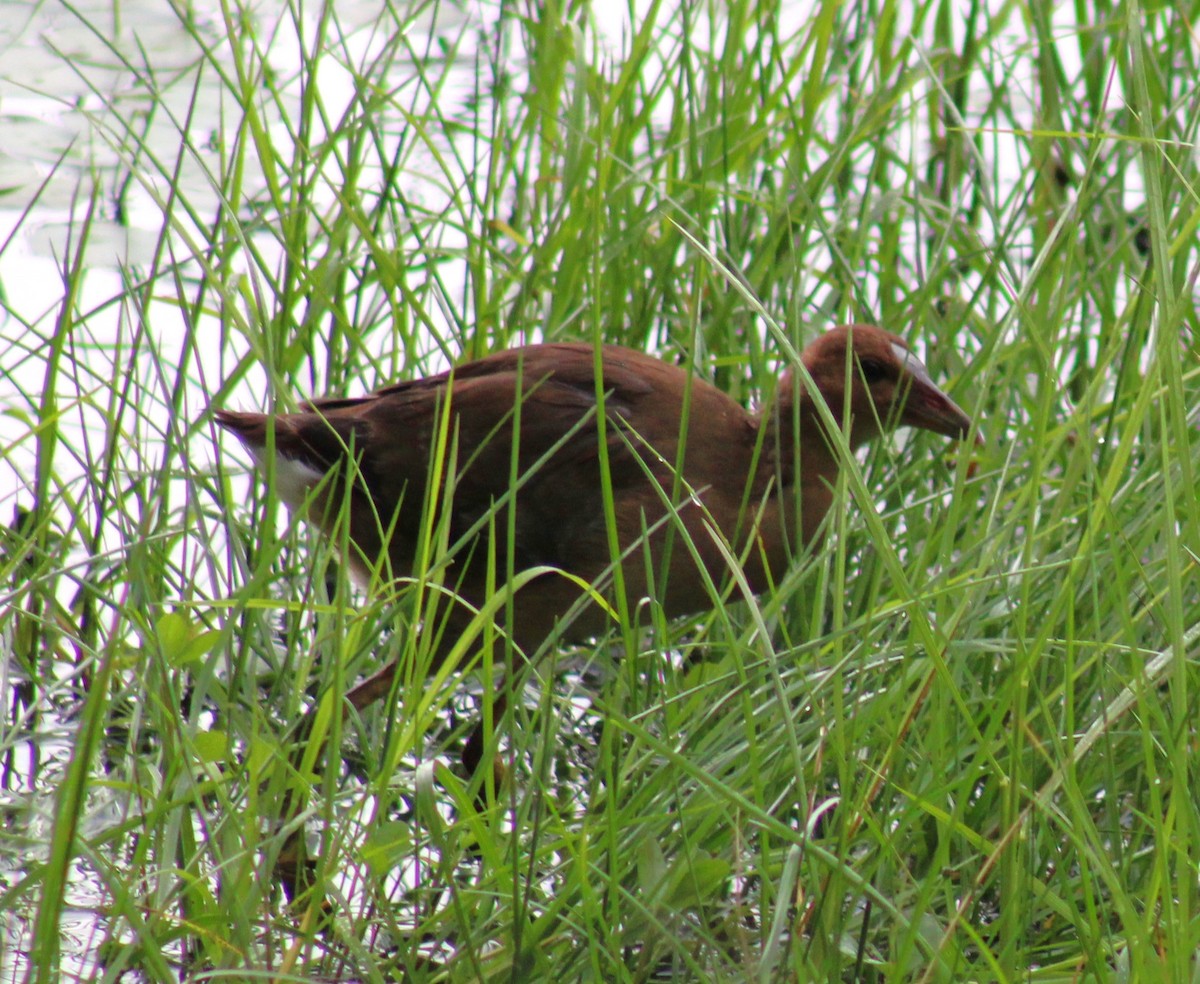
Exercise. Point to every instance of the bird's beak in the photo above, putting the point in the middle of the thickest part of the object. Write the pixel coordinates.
(929, 408)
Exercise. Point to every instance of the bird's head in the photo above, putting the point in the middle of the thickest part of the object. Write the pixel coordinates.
(888, 386)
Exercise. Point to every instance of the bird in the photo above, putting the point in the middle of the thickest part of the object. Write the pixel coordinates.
(516, 454)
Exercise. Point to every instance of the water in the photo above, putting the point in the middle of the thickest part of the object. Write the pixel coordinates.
(117, 119)
(114, 117)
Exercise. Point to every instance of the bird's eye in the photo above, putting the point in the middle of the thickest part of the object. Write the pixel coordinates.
(873, 370)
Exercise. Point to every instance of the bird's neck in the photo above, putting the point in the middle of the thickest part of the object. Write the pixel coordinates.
(797, 474)
(797, 430)
(808, 460)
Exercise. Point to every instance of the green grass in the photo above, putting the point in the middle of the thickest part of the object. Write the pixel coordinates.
(956, 745)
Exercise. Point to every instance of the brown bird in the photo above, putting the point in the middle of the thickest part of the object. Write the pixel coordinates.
(688, 490)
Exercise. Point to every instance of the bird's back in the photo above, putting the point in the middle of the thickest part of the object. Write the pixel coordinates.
(410, 456)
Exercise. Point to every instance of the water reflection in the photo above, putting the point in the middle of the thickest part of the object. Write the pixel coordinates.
(133, 99)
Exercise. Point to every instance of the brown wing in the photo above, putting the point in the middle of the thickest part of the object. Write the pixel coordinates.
(394, 434)
(560, 514)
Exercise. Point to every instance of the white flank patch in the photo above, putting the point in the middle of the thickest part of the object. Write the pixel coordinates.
(294, 480)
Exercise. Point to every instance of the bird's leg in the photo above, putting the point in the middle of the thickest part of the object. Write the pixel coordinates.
(477, 742)
(377, 686)
(374, 688)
